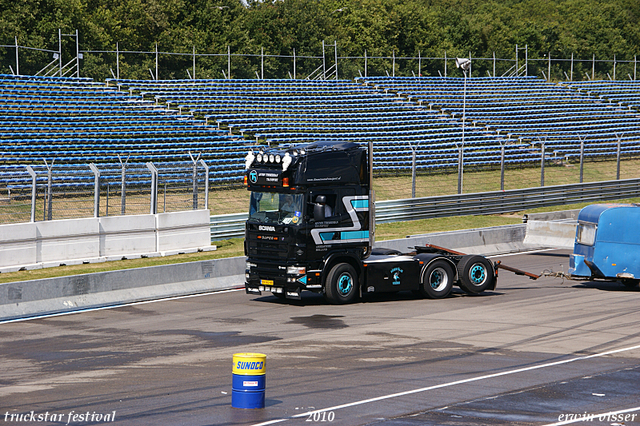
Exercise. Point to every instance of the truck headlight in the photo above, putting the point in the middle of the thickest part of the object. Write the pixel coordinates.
(296, 270)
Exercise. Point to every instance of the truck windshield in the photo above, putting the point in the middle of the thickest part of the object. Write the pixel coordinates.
(267, 207)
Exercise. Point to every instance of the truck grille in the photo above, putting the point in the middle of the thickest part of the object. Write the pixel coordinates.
(266, 250)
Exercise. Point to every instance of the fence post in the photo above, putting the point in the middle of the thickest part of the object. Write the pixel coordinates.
(571, 79)
(393, 63)
(413, 169)
(413, 174)
(153, 209)
(195, 180)
(118, 60)
(77, 55)
(460, 167)
(206, 184)
(18, 61)
(262, 63)
(365, 64)
(494, 64)
(419, 65)
(157, 74)
(123, 185)
(618, 156)
(542, 164)
(49, 197)
(96, 190)
(445, 63)
(581, 158)
(501, 166)
(228, 62)
(294, 63)
(335, 42)
(60, 50)
(526, 60)
(324, 63)
(593, 67)
(549, 67)
(33, 192)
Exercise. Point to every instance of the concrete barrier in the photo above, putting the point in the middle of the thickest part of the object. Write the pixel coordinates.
(68, 241)
(127, 236)
(89, 240)
(543, 233)
(485, 241)
(72, 293)
(182, 230)
(18, 244)
(551, 229)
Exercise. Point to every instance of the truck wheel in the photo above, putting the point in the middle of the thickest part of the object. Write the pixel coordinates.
(437, 280)
(475, 274)
(342, 284)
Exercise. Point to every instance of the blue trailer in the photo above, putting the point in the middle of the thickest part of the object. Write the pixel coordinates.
(607, 245)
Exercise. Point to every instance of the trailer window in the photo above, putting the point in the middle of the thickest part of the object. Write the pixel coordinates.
(586, 234)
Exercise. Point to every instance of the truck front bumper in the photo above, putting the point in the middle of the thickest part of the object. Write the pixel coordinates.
(287, 292)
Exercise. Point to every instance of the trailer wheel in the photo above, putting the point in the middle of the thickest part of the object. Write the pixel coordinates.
(475, 274)
(437, 280)
(342, 284)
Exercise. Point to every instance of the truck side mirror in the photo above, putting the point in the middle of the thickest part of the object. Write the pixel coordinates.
(318, 208)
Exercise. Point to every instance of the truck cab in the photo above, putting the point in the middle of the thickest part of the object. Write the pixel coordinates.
(309, 208)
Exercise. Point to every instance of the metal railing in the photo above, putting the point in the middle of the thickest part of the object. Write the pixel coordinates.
(219, 64)
(496, 202)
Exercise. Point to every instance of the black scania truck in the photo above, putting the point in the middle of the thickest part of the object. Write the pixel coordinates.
(311, 227)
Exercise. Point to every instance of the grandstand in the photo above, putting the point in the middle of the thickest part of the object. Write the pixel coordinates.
(535, 111)
(295, 111)
(76, 121)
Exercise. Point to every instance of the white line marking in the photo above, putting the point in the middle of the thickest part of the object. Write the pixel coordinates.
(121, 305)
(591, 417)
(457, 382)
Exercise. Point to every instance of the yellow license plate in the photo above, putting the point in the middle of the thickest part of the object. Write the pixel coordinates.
(266, 282)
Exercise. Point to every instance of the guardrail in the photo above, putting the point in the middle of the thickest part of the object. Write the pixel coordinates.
(496, 202)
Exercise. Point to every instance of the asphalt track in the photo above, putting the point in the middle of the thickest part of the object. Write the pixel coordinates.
(529, 353)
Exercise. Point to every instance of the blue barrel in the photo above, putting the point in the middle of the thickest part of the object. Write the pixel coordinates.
(249, 380)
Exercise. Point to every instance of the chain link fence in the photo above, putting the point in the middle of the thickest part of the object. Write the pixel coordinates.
(72, 191)
(326, 61)
(66, 192)
(556, 171)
